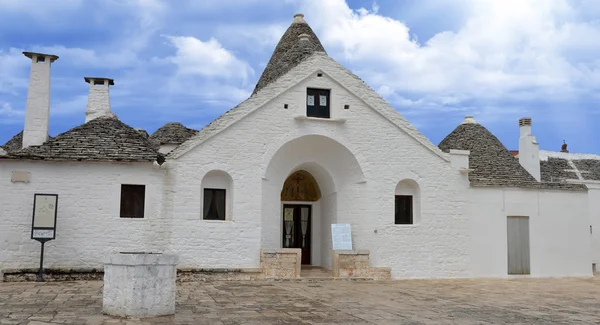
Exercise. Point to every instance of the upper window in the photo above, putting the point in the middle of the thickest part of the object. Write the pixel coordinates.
(214, 204)
(132, 201)
(404, 210)
(317, 103)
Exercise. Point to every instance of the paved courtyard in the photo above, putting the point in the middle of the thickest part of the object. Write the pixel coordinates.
(473, 301)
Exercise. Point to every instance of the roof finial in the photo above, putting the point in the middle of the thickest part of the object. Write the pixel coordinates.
(564, 147)
(469, 120)
(299, 19)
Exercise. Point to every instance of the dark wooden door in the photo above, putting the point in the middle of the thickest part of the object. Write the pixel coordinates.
(296, 229)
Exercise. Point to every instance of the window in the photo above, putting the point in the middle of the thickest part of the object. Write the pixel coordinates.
(404, 209)
(317, 103)
(214, 204)
(132, 201)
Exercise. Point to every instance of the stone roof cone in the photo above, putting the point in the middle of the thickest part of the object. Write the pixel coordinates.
(297, 43)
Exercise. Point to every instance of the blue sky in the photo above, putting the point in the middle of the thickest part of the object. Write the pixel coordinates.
(434, 60)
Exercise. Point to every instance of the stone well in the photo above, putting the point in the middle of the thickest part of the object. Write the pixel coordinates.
(139, 284)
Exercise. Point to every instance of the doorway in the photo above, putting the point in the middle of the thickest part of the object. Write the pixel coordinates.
(297, 229)
(518, 245)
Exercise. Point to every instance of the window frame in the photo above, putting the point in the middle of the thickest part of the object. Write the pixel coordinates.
(319, 111)
(411, 217)
(214, 190)
(128, 194)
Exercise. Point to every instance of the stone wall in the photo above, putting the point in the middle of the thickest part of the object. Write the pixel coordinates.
(356, 264)
(281, 263)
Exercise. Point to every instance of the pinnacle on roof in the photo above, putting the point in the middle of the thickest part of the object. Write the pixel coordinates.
(297, 43)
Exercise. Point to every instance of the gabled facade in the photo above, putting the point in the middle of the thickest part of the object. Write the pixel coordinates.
(313, 146)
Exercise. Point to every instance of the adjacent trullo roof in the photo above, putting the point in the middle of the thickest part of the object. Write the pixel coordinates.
(493, 165)
(101, 139)
(289, 52)
(15, 143)
(561, 166)
(172, 133)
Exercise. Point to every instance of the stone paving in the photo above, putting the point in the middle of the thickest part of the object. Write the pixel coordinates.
(465, 301)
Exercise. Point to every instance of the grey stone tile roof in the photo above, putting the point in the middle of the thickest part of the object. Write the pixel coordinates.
(172, 133)
(101, 139)
(15, 143)
(565, 165)
(493, 165)
(290, 51)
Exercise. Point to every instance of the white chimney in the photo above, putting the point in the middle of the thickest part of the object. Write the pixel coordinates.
(529, 149)
(37, 107)
(99, 98)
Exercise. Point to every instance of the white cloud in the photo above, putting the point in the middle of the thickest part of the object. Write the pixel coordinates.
(9, 115)
(504, 48)
(208, 59)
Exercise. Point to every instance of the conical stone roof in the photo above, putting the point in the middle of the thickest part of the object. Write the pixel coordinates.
(493, 165)
(172, 133)
(101, 139)
(290, 51)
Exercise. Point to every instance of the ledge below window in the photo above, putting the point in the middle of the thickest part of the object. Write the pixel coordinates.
(306, 118)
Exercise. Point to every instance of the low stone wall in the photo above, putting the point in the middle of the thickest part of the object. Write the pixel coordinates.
(223, 274)
(356, 264)
(281, 263)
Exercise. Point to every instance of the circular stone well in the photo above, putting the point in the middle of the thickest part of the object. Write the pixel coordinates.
(139, 284)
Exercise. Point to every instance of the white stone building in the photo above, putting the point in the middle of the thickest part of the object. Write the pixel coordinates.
(311, 147)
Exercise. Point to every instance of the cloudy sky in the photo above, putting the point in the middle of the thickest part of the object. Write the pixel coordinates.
(434, 60)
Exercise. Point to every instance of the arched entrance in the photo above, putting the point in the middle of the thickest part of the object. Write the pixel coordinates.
(299, 189)
(307, 175)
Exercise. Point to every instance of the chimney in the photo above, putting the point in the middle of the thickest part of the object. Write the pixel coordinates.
(529, 149)
(37, 107)
(564, 147)
(99, 98)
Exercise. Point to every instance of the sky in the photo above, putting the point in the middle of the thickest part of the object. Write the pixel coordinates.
(434, 61)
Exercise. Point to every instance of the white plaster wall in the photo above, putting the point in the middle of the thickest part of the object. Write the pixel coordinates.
(37, 106)
(558, 231)
(88, 222)
(381, 155)
(594, 211)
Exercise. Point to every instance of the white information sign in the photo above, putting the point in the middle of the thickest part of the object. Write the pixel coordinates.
(341, 236)
(43, 233)
(44, 215)
(311, 100)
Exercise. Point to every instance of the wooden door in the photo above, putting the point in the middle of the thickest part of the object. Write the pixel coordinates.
(297, 229)
(518, 245)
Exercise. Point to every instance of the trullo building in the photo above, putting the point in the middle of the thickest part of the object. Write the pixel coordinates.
(312, 146)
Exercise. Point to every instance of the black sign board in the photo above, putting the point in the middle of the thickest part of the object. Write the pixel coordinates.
(43, 223)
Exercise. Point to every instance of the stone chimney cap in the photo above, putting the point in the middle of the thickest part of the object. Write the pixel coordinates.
(525, 121)
(469, 120)
(299, 18)
(99, 81)
(31, 54)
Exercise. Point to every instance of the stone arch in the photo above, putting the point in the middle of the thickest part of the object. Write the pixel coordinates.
(219, 180)
(409, 187)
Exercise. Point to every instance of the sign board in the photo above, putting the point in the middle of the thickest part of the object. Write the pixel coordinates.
(341, 236)
(43, 225)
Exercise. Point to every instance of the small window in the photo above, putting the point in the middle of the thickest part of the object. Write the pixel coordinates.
(317, 103)
(214, 204)
(404, 209)
(133, 198)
